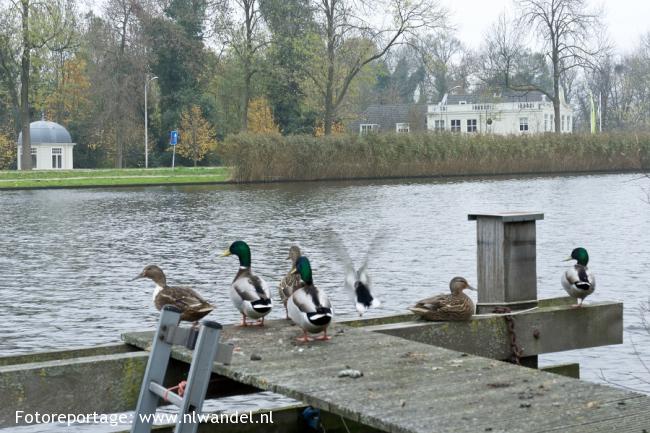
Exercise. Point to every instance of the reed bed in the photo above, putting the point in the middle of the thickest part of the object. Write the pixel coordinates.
(300, 157)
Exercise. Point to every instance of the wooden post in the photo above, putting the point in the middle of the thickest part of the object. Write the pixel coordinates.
(506, 265)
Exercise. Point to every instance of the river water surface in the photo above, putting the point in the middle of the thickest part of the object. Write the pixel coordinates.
(66, 256)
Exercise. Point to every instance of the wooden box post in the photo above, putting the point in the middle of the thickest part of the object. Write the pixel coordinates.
(506, 266)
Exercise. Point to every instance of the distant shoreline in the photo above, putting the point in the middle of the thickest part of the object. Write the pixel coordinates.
(342, 179)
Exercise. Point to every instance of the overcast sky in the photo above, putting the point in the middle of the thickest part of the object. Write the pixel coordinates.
(626, 20)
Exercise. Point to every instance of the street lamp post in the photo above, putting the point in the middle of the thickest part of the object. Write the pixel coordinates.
(146, 118)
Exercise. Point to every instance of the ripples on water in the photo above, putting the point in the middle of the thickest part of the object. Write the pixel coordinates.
(66, 255)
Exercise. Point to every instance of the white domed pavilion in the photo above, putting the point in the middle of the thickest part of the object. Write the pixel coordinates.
(51, 146)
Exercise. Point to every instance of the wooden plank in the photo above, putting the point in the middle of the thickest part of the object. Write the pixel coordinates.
(543, 330)
(413, 387)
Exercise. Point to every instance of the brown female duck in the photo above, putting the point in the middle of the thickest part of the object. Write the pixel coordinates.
(192, 305)
(290, 282)
(457, 306)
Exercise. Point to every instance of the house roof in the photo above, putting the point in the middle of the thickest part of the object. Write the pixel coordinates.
(43, 131)
(388, 115)
(503, 96)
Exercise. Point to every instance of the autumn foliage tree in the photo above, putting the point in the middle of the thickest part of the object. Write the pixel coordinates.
(260, 117)
(197, 136)
(7, 150)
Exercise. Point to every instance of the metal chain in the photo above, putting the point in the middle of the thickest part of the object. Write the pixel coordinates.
(517, 351)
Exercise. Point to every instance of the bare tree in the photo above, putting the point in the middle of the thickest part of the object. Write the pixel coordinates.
(438, 53)
(238, 25)
(564, 27)
(350, 42)
(501, 52)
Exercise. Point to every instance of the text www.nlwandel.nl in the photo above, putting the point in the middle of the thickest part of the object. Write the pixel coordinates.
(158, 418)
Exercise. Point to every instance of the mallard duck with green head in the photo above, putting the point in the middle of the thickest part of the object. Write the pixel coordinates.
(290, 282)
(192, 305)
(456, 306)
(309, 307)
(578, 281)
(249, 293)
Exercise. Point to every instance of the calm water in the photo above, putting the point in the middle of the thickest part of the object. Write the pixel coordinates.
(66, 255)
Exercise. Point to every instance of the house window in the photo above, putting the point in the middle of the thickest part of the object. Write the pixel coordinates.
(402, 127)
(455, 125)
(471, 125)
(366, 128)
(34, 153)
(568, 124)
(438, 125)
(57, 154)
(545, 122)
(562, 123)
(523, 124)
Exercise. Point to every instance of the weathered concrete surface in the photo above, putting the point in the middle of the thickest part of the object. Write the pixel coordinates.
(414, 387)
(102, 384)
(546, 329)
(104, 349)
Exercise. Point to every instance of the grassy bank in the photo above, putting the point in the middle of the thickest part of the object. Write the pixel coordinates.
(274, 157)
(111, 177)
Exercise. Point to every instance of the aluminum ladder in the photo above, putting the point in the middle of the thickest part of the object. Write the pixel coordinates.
(207, 350)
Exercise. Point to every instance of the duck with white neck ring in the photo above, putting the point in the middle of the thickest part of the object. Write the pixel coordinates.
(578, 281)
(192, 305)
(308, 306)
(249, 293)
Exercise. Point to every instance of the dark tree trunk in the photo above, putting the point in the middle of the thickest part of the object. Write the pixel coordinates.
(328, 119)
(26, 158)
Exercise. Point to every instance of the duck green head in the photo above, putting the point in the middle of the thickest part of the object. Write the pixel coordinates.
(241, 250)
(579, 254)
(304, 269)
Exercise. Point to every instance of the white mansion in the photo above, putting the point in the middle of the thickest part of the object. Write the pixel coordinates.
(506, 113)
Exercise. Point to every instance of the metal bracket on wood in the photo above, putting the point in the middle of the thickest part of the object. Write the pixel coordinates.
(208, 350)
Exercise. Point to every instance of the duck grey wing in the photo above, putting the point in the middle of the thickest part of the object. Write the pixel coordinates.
(304, 301)
(363, 276)
(338, 247)
(257, 283)
(375, 244)
(581, 278)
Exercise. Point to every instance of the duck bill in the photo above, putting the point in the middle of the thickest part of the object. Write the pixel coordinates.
(293, 270)
(567, 259)
(140, 275)
(472, 288)
(226, 253)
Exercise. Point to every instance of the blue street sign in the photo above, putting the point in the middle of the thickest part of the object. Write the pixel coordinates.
(173, 138)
